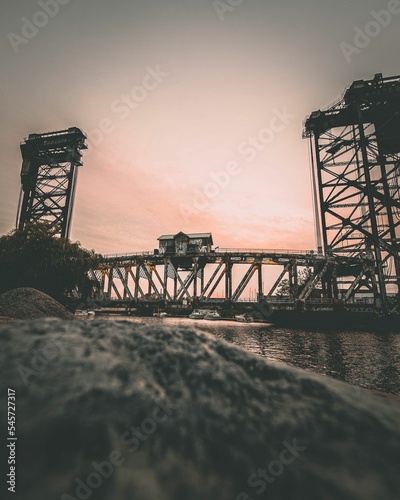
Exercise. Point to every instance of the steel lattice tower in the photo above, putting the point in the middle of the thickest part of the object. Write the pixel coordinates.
(355, 150)
(48, 178)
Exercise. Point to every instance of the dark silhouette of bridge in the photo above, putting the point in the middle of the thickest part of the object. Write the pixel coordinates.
(355, 147)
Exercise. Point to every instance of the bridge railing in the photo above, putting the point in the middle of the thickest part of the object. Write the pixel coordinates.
(267, 251)
(127, 255)
(310, 253)
(279, 300)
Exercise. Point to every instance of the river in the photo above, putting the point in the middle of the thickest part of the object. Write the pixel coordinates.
(370, 360)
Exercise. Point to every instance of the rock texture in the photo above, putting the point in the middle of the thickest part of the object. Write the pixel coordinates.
(120, 411)
(28, 303)
(5, 319)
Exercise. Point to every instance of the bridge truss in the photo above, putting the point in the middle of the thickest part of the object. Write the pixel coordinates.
(355, 151)
(48, 178)
(355, 148)
(301, 280)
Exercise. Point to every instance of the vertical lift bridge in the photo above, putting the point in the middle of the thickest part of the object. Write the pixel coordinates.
(48, 178)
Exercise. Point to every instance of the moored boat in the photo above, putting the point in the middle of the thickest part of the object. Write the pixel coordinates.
(196, 315)
(212, 315)
(243, 318)
(160, 314)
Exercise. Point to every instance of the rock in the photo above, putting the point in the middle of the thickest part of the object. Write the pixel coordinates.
(28, 303)
(120, 411)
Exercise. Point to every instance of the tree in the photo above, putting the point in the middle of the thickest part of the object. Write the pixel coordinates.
(284, 289)
(35, 257)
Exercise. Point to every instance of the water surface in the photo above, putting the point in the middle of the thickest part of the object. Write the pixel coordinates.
(370, 360)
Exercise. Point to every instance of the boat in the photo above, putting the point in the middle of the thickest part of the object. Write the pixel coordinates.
(85, 314)
(160, 314)
(212, 315)
(196, 314)
(243, 318)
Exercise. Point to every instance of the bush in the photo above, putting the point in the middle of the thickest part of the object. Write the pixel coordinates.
(35, 258)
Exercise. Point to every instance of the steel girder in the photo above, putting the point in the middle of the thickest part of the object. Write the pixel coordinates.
(355, 148)
(125, 278)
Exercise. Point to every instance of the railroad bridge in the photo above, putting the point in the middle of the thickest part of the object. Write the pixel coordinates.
(355, 162)
(285, 281)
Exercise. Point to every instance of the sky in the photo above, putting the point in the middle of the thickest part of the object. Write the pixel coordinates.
(193, 109)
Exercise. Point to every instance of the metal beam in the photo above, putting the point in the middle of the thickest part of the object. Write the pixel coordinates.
(242, 285)
(278, 281)
(204, 291)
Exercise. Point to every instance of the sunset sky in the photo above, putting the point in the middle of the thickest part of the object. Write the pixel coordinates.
(182, 89)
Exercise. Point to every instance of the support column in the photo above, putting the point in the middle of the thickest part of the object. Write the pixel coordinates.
(228, 280)
(372, 215)
(165, 288)
(195, 268)
(102, 284)
(295, 280)
(149, 289)
(321, 193)
(260, 282)
(126, 296)
(137, 280)
(110, 280)
(202, 281)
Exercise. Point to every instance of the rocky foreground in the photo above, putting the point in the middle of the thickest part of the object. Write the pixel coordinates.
(117, 411)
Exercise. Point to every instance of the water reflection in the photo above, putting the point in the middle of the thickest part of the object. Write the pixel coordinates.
(365, 359)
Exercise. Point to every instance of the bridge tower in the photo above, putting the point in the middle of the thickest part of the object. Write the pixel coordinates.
(355, 151)
(48, 178)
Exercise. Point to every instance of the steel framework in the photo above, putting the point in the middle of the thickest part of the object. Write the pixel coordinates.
(175, 280)
(355, 150)
(48, 178)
